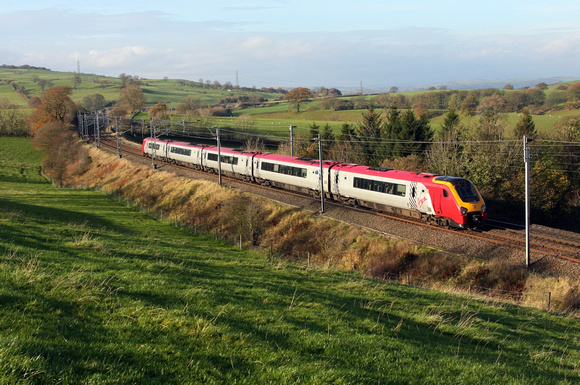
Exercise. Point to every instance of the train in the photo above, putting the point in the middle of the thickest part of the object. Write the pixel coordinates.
(446, 201)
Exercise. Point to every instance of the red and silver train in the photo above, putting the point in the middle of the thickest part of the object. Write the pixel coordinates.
(441, 200)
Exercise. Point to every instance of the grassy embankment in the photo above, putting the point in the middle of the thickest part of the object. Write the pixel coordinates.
(94, 291)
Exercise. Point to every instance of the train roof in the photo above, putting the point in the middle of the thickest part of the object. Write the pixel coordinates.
(387, 173)
(296, 160)
(230, 151)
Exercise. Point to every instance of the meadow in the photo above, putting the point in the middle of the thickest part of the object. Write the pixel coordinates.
(94, 291)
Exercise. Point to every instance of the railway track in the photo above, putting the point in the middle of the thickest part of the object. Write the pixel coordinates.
(544, 241)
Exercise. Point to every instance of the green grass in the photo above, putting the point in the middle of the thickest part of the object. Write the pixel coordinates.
(92, 291)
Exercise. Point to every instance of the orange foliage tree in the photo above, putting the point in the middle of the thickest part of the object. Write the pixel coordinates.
(55, 106)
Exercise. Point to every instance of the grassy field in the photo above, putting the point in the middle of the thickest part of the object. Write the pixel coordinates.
(92, 291)
(172, 92)
(168, 91)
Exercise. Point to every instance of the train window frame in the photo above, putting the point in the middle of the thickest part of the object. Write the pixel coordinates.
(378, 186)
(284, 169)
(228, 159)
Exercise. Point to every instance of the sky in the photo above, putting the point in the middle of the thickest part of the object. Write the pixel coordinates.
(298, 43)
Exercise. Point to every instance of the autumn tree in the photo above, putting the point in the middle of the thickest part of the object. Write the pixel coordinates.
(132, 98)
(56, 106)
(469, 104)
(189, 106)
(158, 112)
(573, 94)
(297, 96)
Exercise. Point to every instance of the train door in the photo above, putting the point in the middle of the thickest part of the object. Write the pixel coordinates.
(413, 196)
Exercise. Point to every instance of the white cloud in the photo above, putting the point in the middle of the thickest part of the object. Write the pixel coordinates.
(118, 57)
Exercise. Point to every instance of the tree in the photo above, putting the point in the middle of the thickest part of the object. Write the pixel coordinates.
(159, 112)
(525, 126)
(297, 96)
(94, 102)
(132, 98)
(76, 80)
(190, 105)
(393, 90)
(369, 133)
(55, 106)
(555, 98)
(495, 102)
(12, 121)
(469, 104)
(573, 94)
(450, 123)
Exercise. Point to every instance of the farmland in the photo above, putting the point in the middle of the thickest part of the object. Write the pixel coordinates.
(272, 113)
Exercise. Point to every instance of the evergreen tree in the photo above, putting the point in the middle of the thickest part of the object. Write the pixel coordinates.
(525, 125)
(368, 133)
(391, 133)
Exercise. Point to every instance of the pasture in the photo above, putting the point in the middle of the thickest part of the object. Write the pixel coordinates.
(94, 291)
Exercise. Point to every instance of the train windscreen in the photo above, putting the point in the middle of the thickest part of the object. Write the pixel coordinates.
(466, 191)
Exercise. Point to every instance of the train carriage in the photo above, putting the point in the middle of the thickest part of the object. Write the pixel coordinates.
(155, 147)
(288, 172)
(185, 154)
(392, 191)
(234, 163)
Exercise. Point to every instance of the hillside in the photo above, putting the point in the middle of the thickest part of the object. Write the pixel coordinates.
(270, 114)
(169, 91)
(95, 291)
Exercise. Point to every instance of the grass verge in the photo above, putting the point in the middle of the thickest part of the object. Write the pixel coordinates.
(92, 291)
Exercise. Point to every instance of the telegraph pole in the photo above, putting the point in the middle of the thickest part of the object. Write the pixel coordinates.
(154, 152)
(98, 131)
(119, 154)
(527, 176)
(291, 140)
(321, 176)
(217, 132)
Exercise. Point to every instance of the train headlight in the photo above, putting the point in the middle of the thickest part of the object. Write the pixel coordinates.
(483, 208)
(463, 211)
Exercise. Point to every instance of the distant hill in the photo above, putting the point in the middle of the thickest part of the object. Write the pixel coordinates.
(466, 84)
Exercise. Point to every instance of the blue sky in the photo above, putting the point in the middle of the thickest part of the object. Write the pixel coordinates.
(298, 43)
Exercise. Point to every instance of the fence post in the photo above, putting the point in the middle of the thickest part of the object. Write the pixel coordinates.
(549, 300)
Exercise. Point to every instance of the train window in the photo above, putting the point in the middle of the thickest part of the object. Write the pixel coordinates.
(154, 145)
(224, 158)
(445, 193)
(379, 186)
(283, 169)
(401, 190)
(182, 151)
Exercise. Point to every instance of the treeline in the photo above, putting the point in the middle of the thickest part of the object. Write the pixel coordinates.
(23, 67)
(216, 85)
(536, 99)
